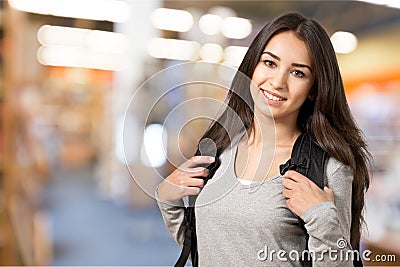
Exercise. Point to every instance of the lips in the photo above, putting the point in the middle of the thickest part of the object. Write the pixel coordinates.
(272, 96)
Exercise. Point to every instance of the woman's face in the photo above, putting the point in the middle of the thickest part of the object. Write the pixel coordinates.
(283, 78)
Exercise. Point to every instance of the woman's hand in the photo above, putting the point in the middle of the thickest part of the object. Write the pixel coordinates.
(302, 193)
(183, 182)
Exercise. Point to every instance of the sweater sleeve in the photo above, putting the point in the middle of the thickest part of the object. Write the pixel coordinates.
(173, 214)
(328, 223)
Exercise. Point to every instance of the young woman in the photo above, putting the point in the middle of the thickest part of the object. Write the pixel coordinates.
(247, 212)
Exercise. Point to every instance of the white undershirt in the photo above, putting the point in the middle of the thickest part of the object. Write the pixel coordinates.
(245, 182)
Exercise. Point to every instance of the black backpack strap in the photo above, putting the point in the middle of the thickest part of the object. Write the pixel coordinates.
(307, 158)
(190, 241)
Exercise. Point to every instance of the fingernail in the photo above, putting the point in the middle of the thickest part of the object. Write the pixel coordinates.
(211, 159)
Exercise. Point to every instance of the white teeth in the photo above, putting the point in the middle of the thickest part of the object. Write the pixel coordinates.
(272, 97)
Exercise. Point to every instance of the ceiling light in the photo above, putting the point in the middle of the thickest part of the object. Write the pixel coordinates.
(154, 145)
(91, 39)
(210, 24)
(233, 55)
(344, 42)
(211, 53)
(393, 4)
(173, 49)
(389, 3)
(70, 56)
(236, 28)
(172, 19)
(108, 10)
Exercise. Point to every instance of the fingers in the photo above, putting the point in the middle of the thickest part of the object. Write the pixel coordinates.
(187, 175)
(287, 193)
(175, 188)
(192, 191)
(194, 172)
(186, 180)
(301, 193)
(198, 182)
(289, 183)
(196, 160)
(289, 204)
(299, 179)
(190, 170)
(295, 176)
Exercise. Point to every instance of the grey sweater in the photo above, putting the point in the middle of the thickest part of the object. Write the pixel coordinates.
(250, 225)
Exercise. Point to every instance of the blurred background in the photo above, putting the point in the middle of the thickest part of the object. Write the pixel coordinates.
(68, 71)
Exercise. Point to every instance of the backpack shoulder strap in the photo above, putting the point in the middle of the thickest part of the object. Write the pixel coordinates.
(190, 238)
(307, 158)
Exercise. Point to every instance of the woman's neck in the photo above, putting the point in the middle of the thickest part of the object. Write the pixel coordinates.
(263, 133)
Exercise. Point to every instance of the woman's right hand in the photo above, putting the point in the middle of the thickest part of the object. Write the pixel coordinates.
(183, 181)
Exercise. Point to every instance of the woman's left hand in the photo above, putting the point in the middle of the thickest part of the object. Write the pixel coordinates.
(302, 193)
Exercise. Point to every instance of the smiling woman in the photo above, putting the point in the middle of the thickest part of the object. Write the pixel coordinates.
(287, 85)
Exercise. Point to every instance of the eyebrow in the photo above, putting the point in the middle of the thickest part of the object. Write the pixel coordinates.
(293, 64)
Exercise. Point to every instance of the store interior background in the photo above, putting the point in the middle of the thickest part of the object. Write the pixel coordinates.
(67, 196)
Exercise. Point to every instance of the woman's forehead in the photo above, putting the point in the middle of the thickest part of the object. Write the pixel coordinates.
(287, 46)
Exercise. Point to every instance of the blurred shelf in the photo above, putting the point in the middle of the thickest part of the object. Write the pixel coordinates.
(387, 249)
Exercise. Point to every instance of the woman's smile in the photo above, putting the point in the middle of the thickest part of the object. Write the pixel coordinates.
(271, 98)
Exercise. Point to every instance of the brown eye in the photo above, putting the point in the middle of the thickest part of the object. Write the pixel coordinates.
(298, 73)
(269, 63)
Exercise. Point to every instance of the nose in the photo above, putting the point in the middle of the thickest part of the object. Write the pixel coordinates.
(278, 80)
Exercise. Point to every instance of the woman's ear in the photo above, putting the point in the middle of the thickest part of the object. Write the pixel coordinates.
(313, 93)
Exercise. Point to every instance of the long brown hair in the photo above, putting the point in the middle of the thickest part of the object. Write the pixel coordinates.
(327, 117)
